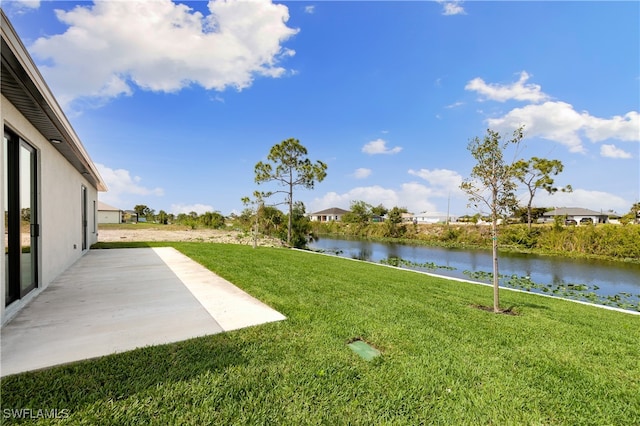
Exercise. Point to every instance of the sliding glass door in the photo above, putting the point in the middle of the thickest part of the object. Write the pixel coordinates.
(21, 217)
(83, 198)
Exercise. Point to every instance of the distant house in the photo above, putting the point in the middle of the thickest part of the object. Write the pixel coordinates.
(109, 214)
(432, 218)
(407, 217)
(614, 217)
(130, 216)
(580, 215)
(328, 215)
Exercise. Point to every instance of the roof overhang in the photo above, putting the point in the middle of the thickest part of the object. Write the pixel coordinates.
(23, 85)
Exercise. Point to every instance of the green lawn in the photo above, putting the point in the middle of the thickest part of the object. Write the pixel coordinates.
(443, 361)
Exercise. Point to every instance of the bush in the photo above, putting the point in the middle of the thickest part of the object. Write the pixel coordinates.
(519, 236)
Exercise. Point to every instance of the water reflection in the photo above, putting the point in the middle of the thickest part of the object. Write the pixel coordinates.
(610, 278)
(363, 254)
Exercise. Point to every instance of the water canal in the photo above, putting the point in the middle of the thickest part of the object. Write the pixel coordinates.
(605, 282)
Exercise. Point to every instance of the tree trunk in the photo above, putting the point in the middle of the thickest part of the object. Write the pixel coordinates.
(290, 208)
(256, 228)
(290, 224)
(494, 246)
(529, 208)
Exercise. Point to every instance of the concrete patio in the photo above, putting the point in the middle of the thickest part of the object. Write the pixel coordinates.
(117, 300)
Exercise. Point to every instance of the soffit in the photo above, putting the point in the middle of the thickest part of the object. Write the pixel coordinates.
(18, 87)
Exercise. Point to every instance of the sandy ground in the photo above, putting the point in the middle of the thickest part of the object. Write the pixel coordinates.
(194, 235)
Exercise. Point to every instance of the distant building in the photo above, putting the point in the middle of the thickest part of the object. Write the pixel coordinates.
(432, 218)
(377, 218)
(580, 215)
(130, 216)
(407, 217)
(109, 214)
(328, 215)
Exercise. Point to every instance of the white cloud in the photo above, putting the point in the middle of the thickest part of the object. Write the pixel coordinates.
(217, 98)
(504, 92)
(611, 151)
(452, 7)
(379, 146)
(454, 105)
(560, 122)
(112, 46)
(443, 181)
(23, 4)
(556, 121)
(373, 195)
(362, 173)
(310, 9)
(416, 198)
(441, 185)
(412, 195)
(593, 200)
(188, 208)
(121, 184)
(625, 128)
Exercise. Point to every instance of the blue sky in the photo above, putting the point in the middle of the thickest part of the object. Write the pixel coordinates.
(177, 101)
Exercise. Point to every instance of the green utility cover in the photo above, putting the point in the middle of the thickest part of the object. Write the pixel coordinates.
(364, 350)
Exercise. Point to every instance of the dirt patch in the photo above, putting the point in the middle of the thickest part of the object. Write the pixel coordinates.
(191, 235)
(509, 311)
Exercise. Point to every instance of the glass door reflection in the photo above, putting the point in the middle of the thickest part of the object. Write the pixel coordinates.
(28, 223)
(20, 217)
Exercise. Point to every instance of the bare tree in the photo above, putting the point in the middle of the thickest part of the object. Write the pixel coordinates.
(258, 203)
(492, 184)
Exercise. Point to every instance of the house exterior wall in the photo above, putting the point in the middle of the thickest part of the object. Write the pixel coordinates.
(596, 218)
(59, 208)
(432, 219)
(326, 218)
(109, 216)
(328, 215)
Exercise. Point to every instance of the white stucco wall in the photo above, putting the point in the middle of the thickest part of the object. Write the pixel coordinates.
(327, 218)
(59, 213)
(109, 216)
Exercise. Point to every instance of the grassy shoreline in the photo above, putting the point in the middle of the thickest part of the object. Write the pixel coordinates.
(501, 249)
(443, 361)
(614, 243)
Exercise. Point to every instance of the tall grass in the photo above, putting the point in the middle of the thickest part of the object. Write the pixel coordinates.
(615, 241)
